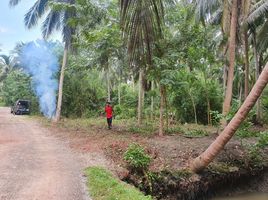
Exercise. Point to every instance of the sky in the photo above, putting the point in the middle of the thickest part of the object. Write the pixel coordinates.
(12, 29)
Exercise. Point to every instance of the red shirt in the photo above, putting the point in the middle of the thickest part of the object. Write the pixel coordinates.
(109, 111)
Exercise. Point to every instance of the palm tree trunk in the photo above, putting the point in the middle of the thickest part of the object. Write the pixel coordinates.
(108, 82)
(133, 82)
(166, 108)
(194, 107)
(240, 89)
(208, 111)
(119, 92)
(208, 101)
(152, 102)
(245, 44)
(141, 95)
(214, 149)
(161, 117)
(257, 74)
(232, 47)
(63, 66)
(225, 72)
(225, 69)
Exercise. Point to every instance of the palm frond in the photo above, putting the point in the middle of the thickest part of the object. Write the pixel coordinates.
(5, 60)
(216, 17)
(260, 10)
(141, 22)
(262, 38)
(13, 2)
(205, 8)
(35, 13)
(51, 23)
(67, 30)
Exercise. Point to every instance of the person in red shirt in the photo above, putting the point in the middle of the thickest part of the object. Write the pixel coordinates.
(109, 114)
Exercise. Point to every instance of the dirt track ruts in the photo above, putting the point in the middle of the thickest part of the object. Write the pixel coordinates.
(36, 165)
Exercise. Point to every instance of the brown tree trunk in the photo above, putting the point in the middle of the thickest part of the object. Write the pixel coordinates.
(208, 112)
(119, 93)
(232, 47)
(245, 44)
(214, 149)
(152, 103)
(141, 95)
(161, 117)
(108, 81)
(194, 107)
(166, 108)
(63, 66)
(225, 74)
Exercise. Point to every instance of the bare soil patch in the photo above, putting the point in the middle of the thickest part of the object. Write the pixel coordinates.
(171, 152)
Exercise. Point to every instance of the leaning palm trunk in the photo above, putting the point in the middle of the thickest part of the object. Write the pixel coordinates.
(214, 149)
(64, 61)
(232, 46)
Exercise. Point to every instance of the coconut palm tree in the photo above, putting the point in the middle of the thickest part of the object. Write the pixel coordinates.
(216, 11)
(258, 26)
(54, 20)
(214, 149)
(7, 64)
(141, 23)
(232, 47)
(257, 21)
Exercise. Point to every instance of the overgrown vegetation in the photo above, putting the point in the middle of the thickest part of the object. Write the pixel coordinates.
(136, 158)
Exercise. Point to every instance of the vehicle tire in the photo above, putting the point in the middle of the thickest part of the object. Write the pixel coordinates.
(18, 112)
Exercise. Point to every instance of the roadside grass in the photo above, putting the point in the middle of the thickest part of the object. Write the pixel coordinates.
(103, 186)
(147, 129)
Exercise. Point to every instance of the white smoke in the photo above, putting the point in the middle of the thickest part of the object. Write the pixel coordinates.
(40, 61)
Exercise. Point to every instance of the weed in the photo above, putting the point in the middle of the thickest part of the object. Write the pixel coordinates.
(263, 140)
(244, 131)
(136, 158)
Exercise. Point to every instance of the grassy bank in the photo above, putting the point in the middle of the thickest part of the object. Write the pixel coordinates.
(103, 186)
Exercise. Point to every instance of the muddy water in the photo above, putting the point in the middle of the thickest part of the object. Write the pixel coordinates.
(254, 189)
(246, 197)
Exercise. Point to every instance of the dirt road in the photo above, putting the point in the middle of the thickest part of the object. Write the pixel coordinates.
(34, 165)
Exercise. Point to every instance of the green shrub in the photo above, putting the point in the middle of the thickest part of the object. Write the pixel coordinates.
(244, 131)
(136, 158)
(255, 157)
(125, 113)
(117, 110)
(216, 117)
(263, 140)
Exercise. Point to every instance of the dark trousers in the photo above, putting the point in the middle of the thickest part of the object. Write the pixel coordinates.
(109, 122)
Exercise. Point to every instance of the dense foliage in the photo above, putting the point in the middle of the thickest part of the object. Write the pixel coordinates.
(17, 85)
(185, 58)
